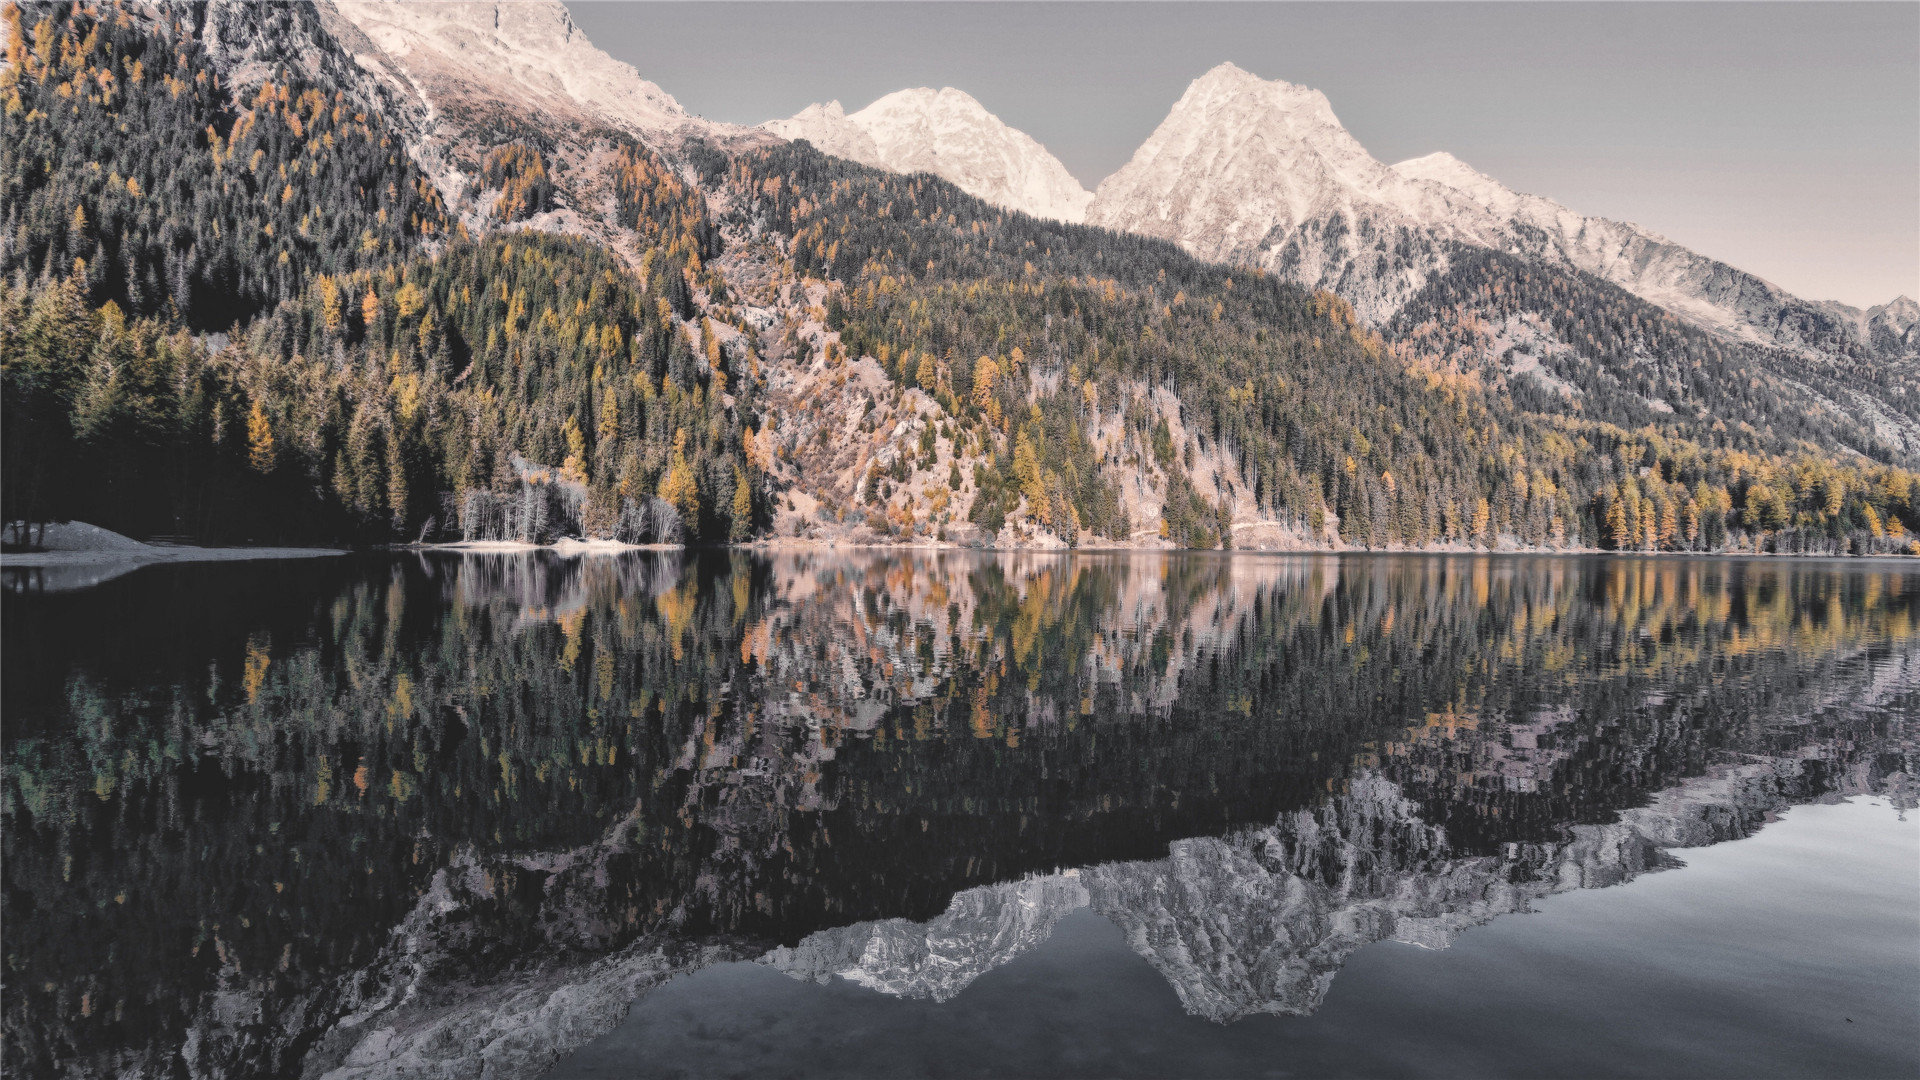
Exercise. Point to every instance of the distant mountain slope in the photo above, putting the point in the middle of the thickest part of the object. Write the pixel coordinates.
(1566, 342)
(1895, 326)
(1704, 291)
(949, 134)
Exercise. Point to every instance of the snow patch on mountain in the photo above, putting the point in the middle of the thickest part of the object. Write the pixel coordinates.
(949, 134)
(1652, 267)
(1484, 191)
(830, 131)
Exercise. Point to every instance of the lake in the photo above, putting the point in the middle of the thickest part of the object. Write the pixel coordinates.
(963, 814)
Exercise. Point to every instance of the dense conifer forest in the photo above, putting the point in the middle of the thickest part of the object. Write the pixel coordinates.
(376, 376)
(128, 163)
(246, 314)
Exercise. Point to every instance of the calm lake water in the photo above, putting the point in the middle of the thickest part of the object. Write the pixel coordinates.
(884, 815)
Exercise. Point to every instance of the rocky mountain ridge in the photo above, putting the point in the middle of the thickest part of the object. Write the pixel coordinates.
(1260, 171)
(1243, 169)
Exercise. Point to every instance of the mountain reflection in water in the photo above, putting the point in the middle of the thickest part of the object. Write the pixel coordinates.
(442, 812)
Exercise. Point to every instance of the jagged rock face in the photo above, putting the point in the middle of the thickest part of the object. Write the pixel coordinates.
(949, 134)
(427, 1008)
(1260, 923)
(249, 46)
(830, 130)
(1255, 922)
(1261, 172)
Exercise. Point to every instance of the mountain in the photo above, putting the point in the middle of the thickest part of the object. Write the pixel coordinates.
(1261, 172)
(738, 336)
(829, 128)
(949, 134)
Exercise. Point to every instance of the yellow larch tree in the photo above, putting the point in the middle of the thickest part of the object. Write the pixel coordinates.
(259, 440)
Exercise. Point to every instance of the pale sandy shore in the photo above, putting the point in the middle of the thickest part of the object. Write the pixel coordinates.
(78, 555)
(76, 543)
(157, 554)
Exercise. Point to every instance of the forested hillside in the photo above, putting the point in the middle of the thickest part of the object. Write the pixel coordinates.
(1323, 420)
(377, 381)
(238, 309)
(990, 305)
(127, 162)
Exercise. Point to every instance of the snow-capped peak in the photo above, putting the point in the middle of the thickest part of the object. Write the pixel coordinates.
(1228, 79)
(947, 133)
(525, 56)
(1503, 202)
(827, 128)
(1241, 162)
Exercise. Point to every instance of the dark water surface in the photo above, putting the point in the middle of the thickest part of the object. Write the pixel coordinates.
(963, 815)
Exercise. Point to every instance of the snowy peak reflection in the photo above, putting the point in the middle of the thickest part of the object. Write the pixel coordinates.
(981, 929)
(1261, 920)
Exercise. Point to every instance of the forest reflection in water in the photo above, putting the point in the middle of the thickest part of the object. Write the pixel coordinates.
(430, 811)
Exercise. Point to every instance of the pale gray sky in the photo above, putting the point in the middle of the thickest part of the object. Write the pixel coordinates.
(1781, 138)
